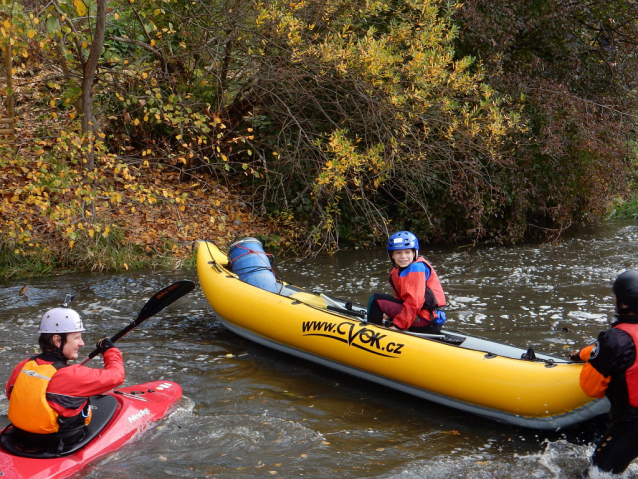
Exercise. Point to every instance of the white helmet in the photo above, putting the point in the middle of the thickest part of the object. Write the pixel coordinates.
(61, 320)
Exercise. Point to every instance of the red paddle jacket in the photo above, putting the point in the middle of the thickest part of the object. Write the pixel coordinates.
(71, 386)
(418, 286)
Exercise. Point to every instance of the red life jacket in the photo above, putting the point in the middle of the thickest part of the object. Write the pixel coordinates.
(434, 295)
(631, 375)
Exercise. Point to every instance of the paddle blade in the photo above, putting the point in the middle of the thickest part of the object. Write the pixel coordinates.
(163, 298)
(154, 305)
(157, 302)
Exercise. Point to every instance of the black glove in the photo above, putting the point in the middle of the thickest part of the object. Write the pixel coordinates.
(575, 356)
(104, 344)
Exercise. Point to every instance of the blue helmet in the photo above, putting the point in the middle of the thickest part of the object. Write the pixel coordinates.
(403, 240)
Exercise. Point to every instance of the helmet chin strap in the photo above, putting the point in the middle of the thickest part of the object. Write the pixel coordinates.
(62, 343)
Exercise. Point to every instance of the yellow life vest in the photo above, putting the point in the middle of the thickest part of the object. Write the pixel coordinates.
(28, 407)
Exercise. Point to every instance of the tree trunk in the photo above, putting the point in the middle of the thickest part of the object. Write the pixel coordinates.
(89, 126)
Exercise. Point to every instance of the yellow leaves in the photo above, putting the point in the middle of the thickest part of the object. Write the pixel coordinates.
(348, 165)
(31, 33)
(80, 7)
(144, 204)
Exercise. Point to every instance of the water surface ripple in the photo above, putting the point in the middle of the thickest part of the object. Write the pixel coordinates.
(252, 412)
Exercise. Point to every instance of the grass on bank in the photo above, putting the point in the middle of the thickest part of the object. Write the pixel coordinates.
(626, 210)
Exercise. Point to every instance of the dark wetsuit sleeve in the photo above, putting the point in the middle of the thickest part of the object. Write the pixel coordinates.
(613, 353)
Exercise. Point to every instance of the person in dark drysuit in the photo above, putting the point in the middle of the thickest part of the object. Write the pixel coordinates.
(612, 370)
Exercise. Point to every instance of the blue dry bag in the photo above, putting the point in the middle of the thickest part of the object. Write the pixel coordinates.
(249, 261)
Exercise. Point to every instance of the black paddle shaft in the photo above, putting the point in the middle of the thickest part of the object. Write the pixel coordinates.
(154, 305)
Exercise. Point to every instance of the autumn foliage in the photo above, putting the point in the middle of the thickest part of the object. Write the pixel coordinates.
(332, 122)
(571, 68)
(59, 216)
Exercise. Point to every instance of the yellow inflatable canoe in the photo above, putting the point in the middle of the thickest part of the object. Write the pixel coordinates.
(472, 374)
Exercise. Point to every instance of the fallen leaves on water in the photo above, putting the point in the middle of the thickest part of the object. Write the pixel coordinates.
(565, 329)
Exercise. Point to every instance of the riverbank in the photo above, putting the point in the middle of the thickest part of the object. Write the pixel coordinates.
(56, 217)
(139, 208)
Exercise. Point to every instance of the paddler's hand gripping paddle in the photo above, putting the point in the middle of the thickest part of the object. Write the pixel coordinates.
(158, 301)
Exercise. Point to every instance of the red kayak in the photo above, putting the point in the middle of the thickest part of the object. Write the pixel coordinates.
(117, 416)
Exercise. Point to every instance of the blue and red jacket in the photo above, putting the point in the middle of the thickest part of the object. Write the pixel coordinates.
(418, 286)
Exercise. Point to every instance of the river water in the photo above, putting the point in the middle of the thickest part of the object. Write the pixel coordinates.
(248, 411)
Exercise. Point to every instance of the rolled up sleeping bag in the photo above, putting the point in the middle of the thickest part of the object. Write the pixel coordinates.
(249, 261)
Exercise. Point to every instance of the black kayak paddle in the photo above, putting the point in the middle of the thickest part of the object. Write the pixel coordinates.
(154, 305)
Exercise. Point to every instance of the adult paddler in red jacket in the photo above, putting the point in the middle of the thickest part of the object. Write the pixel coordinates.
(48, 397)
(612, 371)
(418, 294)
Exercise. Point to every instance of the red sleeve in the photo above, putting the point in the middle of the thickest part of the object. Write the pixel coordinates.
(78, 380)
(412, 293)
(14, 376)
